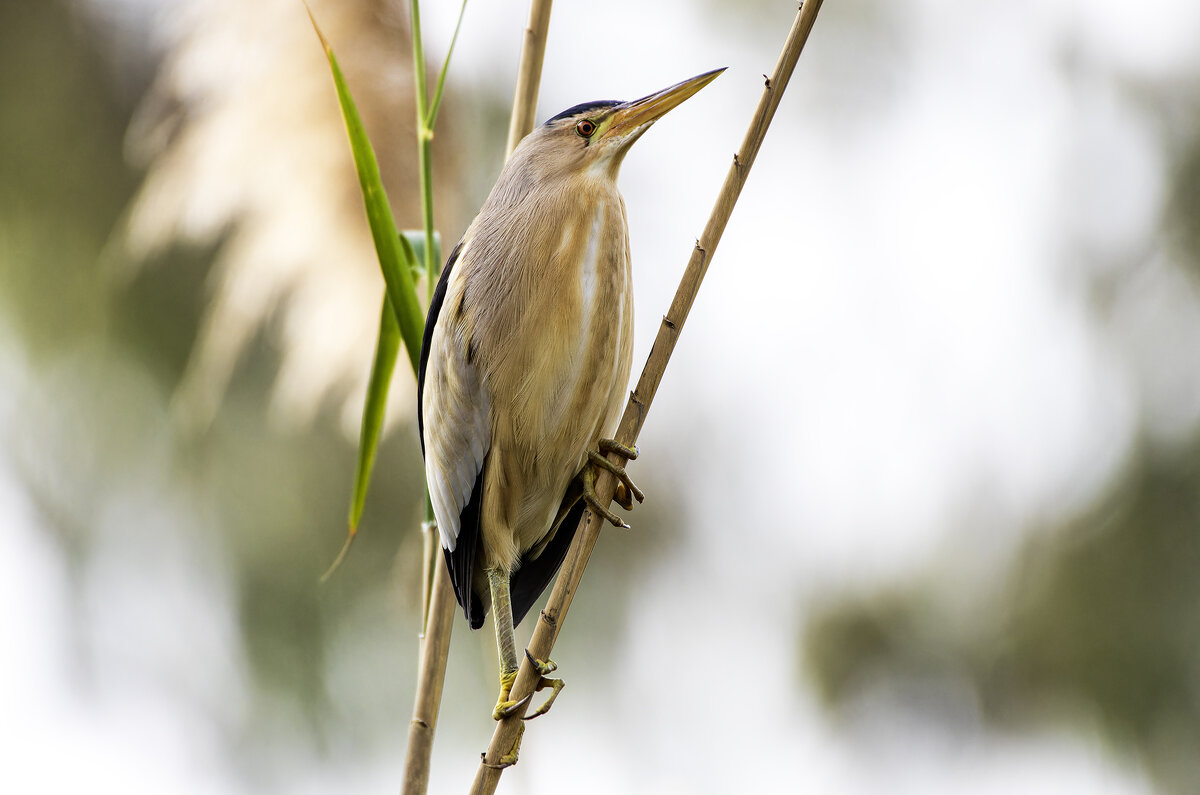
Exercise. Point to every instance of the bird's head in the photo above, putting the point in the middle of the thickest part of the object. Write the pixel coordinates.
(595, 136)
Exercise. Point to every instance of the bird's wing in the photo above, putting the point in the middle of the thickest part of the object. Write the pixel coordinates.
(457, 439)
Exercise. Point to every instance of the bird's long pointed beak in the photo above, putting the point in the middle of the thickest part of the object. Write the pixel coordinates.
(638, 114)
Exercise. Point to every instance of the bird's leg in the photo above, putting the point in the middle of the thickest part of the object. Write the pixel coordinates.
(598, 461)
(498, 582)
(506, 644)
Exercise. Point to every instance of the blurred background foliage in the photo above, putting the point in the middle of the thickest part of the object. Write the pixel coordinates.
(108, 353)
(174, 513)
(1097, 622)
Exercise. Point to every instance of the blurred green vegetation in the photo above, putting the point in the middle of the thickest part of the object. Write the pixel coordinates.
(106, 354)
(62, 181)
(1098, 623)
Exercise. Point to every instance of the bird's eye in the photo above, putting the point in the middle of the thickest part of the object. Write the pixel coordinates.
(585, 128)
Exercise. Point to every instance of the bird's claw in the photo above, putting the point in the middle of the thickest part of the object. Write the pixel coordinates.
(626, 491)
(593, 502)
(544, 668)
(607, 446)
(509, 759)
(556, 685)
(504, 705)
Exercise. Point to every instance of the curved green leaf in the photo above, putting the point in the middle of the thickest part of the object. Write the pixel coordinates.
(393, 259)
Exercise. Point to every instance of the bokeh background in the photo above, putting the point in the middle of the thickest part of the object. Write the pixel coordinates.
(923, 477)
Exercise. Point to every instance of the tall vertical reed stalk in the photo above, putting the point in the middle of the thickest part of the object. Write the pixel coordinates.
(441, 604)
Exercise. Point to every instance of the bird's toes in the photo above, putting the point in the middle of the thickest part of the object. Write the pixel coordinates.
(604, 513)
(625, 493)
(632, 489)
(622, 497)
(556, 686)
(613, 446)
(509, 759)
(506, 707)
(544, 668)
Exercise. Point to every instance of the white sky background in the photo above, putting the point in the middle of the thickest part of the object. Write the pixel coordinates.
(891, 356)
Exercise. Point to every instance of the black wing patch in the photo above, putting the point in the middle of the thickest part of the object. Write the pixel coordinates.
(460, 562)
(534, 575)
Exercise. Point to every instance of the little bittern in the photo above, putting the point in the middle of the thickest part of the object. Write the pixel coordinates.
(525, 362)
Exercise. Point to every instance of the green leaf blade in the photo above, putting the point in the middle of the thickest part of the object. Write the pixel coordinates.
(387, 349)
(393, 259)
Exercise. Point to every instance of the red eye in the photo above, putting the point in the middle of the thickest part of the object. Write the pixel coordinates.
(585, 128)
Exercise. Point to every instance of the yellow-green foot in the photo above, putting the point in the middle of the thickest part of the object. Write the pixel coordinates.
(544, 669)
(504, 705)
(509, 759)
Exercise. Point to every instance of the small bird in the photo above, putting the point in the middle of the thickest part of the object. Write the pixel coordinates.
(524, 364)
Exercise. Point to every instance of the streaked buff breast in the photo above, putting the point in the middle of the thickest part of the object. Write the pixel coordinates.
(564, 377)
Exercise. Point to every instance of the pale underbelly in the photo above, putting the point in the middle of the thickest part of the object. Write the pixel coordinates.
(540, 441)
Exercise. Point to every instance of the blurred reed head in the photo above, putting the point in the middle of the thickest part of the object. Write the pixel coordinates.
(245, 153)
